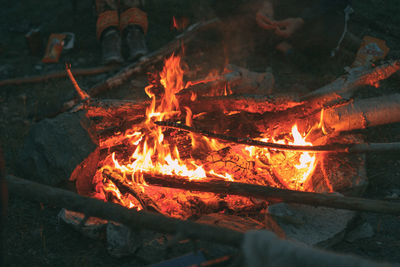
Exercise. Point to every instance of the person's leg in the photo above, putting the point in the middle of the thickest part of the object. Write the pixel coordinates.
(107, 30)
(133, 26)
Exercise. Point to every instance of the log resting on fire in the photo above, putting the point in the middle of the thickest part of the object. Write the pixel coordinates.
(363, 113)
(335, 147)
(276, 194)
(248, 103)
(111, 211)
(334, 94)
(237, 80)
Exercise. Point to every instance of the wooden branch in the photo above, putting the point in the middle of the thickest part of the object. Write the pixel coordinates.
(276, 194)
(82, 94)
(333, 148)
(237, 80)
(139, 66)
(336, 93)
(344, 87)
(114, 108)
(133, 189)
(247, 103)
(56, 75)
(111, 211)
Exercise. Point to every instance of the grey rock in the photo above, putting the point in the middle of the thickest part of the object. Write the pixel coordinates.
(55, 147)
(121, 240)
(314, 226)
(91, 227)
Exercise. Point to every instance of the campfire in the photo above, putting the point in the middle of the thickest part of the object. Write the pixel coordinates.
(151, 150)
(200, 132)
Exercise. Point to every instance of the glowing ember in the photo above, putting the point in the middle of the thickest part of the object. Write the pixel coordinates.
(154, 154)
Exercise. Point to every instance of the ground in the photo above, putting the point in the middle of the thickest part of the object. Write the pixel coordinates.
(34, 236)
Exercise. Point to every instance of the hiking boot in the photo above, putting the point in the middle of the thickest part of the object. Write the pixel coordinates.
(111, 47)
(135, 42)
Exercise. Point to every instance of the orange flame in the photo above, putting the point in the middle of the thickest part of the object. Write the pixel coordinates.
(153, 154)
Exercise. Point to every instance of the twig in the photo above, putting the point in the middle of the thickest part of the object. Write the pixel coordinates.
(56, 75)
(111, 211)
(276, 194)
(82, 94)
(333, 148)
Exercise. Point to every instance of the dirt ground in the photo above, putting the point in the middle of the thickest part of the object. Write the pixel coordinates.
(34, 237)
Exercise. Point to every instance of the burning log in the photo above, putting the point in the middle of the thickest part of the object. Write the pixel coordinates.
(331, 95)
(111, 211)
(111, 108)
(276, 194)
(336, 148)
(248, 103)
(237, 81)
(133, 189)
(363, 113)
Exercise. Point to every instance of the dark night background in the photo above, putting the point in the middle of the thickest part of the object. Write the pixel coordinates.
(34, 237)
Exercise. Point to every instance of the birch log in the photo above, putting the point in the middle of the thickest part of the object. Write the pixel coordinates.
(363, 113)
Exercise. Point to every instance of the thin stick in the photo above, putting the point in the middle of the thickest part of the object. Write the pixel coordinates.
(111, 211)
(276, 194)
(333, 148)
(56, 75)
(82, 94)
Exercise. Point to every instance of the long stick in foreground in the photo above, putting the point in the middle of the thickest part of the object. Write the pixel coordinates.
(111, 211)
(333, 148)
(276, 194)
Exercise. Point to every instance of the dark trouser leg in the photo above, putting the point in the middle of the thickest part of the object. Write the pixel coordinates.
(107, 30)
(133, 26)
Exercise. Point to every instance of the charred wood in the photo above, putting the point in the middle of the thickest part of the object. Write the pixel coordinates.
(276, 194)
(237, 81)
(133, 189)
(335, 147)
(335, 94)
